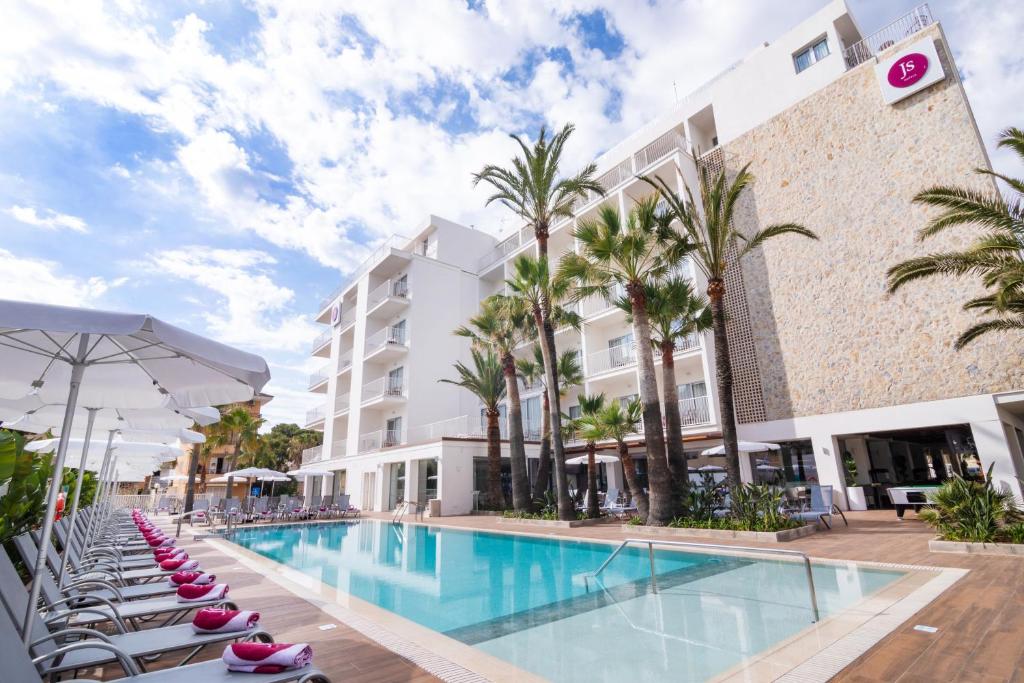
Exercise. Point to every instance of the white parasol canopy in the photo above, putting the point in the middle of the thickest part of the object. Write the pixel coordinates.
(253, 473)
(598, 458)
(744, 447)
(161, 452)
(173, 437)
(100, 359)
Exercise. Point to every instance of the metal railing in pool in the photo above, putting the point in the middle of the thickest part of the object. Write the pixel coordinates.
(650, 543)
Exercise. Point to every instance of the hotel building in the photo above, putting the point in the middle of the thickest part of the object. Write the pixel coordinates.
(840, 133)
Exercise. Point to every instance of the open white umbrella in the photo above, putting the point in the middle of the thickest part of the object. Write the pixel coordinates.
(744, 447)
(598, 458)
(711, 468)
(310, 472)
(100, 359)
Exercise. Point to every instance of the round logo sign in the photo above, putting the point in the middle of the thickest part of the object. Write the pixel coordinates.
(335, 314)
(908, 70)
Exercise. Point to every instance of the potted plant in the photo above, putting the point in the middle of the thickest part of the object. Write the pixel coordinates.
(854, 492)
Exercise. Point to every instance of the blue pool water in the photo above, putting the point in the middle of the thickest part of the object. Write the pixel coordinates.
(525, 599)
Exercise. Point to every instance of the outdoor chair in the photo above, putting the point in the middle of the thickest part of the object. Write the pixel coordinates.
(343, 504)
(326, 507)
(19, 665)
(111, 569)
(820, 507)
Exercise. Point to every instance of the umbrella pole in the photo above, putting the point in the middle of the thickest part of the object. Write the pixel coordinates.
(77, 372)
(78, 493)
(98, 497)
(190, 487)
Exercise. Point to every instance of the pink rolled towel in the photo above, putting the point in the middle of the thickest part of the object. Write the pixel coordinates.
(216, 620)
(171, 558)
(161, 542)
(190, 592)
(267, 658)
(167, 553)
(179, 565)
(195, 578)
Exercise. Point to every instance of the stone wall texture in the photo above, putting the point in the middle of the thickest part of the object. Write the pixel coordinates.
(826, 335)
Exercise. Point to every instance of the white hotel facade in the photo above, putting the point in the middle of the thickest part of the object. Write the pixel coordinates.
(826, 364)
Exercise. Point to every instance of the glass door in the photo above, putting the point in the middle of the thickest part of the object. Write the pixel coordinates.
(620, 351)
(396, 382)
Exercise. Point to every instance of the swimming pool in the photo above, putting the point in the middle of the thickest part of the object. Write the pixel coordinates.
(525, 599)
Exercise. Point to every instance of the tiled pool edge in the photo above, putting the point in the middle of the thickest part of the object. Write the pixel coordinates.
(832, 659)
(442, 667)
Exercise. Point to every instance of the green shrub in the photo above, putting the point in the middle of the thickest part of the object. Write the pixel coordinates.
(23, 479)
(1014, 533)
(972, 511)
(636, 520)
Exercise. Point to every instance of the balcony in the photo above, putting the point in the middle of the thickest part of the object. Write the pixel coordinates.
(347, 320)
(345, 362)
(382, 438)
(611, 359)
(315, 418)
(383, 391)
(388, 298)
(314, 454)
(386, 344)
(694, 411)
(318, 380)
(916, 20)
(596, 305)
(690, 342)
(461, 427)
(378, 255)
(341, 405)
(322, 344)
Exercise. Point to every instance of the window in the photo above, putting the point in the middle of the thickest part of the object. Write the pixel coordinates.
(620, 351)
(393, 431)
(397, 333)
(400, 287)
(811, 54)
(396, 382)
(531, 418)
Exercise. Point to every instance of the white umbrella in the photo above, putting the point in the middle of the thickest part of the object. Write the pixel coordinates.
(710, 468)
(162, 452)
(598, 458)
(175, 436)
(174, 476)
(745, 447)
(133, 361)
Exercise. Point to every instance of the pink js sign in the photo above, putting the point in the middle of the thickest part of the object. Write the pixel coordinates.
(908, 70)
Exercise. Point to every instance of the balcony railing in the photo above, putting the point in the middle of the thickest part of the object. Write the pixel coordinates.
(347, 318)
(463, 426)
(393, 242)
(315, 415)
(658, 149)
(321, 339)
(613, 358)
(904, 27)
(312, 454)
(320, 376)
(389, 288)
(381, 388)
(694, 411)
(344, 362)
(382, 438)
(341, 403)
(391, 335)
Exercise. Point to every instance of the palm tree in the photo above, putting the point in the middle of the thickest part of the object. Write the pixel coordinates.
(708, 227)
(631, 257)
(591, 429)
(486, 379)
(995, 256)
(620, 422)
(502, 324)
(240, 430)
(570, 374)
(531, 282)
(676, 312)
(533, 188)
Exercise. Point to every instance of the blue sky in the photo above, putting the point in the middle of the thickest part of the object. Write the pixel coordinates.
(223, 164)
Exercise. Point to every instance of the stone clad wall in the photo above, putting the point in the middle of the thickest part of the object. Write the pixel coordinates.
(827, 336)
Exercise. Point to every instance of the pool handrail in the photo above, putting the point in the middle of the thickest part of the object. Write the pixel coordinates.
(651, 542)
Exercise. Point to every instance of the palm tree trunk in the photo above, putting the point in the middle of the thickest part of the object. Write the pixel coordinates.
(637, 491)
(593, 509)
(723, 371)
(516, 444)
(659, 478)
(540, 484)
(673, 423)
(566, 511)
(495, 497)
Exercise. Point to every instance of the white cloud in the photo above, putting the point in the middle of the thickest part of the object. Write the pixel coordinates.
(48, 219)
(39, 281)
(252, 310)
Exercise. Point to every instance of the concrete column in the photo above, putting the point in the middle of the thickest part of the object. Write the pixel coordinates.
(991, 440)
(829, 462)
(455, 481)
(412, 481)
